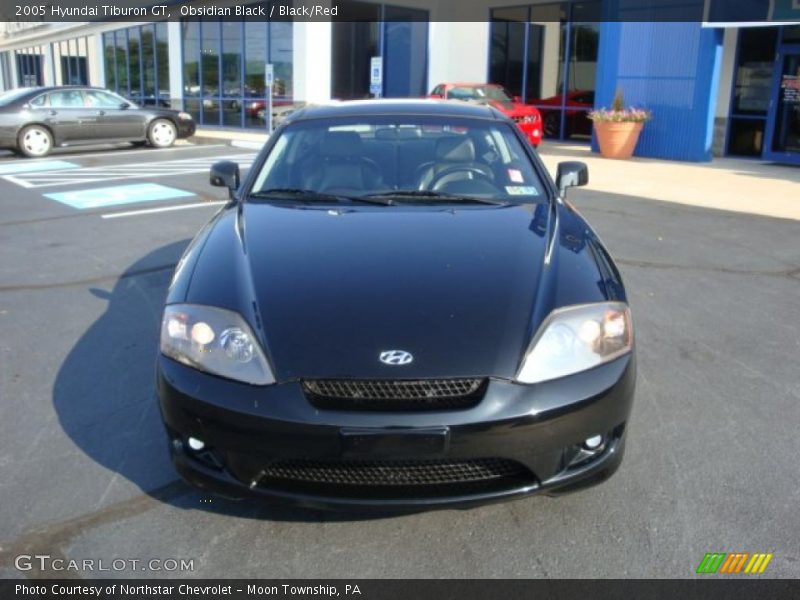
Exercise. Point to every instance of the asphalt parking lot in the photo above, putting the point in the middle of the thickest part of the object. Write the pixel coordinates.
(711, 455)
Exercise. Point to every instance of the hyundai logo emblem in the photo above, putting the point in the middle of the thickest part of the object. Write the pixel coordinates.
(396, 357)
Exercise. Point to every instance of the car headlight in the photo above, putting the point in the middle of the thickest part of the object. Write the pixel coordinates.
(214, 340)
(530, 119)
(184, 116)
(576, 338)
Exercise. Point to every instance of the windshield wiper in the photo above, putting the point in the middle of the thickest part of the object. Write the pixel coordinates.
(423, 194)
(315, 196)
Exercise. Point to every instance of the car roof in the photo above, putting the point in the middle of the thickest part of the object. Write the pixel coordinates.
(58, 88)
(391, 107)
(469, 84)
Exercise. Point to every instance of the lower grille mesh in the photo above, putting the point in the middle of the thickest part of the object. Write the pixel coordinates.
(412, 394)
(395, 473)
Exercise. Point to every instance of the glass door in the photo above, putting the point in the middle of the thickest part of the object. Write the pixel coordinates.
(783, 136)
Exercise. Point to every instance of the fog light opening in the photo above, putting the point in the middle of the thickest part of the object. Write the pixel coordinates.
(593, 443)
(195, 444)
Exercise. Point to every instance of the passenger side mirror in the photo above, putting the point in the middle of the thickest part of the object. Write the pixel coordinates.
(569, 174)
(225, 174)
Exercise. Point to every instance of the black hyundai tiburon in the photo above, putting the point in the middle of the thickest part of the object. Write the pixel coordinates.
(396, 309)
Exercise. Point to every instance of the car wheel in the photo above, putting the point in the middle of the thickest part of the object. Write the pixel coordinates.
(35, 141)
(552, 123)
(162, 133)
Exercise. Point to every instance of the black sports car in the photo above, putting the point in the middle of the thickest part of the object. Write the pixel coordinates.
(33, 121)
(396, 309)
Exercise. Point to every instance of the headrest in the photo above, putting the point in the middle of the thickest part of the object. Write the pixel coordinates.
(455, 149)
(386, 133)
(341, 143)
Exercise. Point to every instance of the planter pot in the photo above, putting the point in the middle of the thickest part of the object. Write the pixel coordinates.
(617, 140)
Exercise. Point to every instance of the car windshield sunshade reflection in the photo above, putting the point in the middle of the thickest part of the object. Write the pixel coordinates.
(313, 196)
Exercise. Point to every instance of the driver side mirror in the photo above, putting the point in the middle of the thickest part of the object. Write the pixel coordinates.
(571, 173)
(124, 105)
(225, 174)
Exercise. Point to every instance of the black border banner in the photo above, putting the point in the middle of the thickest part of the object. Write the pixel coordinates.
(734, 588)
(31, 12)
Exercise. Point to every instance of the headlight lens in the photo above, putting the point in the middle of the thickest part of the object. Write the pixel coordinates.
(214, 340)
(577, 338)
(184, 116)
(530, 119)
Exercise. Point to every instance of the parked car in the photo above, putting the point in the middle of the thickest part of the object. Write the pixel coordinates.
(33, 121)
(578, 103)
(396, 309)
(526, 117)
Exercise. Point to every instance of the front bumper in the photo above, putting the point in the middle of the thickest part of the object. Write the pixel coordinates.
(538, 427)
(186, 128)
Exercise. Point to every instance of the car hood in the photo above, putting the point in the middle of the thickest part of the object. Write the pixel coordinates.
(336, 287)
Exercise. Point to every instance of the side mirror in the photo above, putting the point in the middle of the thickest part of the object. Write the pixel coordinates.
(571, 173)
(124, 105)
(225, 174)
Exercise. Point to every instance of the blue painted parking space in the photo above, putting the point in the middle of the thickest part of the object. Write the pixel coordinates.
(35, 166)
(116, 195)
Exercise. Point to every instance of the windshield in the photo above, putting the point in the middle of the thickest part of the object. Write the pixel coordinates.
(415, 159)
(479, 92)
(10, 96)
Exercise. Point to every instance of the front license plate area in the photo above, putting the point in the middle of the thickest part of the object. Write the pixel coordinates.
(394, 443)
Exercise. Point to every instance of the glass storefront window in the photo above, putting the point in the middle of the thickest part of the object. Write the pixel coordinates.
(162, 62)
(224, 70)
(353, 45)
(191, 68)
(547, 55)
(786, 134)
(752, 85)
(506, 60)
(254, 89)
(137, 63)
(231, 74)
(754, 71)
(148, 63)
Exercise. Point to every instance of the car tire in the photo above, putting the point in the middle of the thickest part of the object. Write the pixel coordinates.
(35, 141)
(552, 124)
(162, 133)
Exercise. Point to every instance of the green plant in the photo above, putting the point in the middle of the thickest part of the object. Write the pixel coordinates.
(618, 112)
(618, 103)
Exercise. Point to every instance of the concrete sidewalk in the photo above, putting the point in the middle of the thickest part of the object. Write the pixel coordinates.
(739, 185)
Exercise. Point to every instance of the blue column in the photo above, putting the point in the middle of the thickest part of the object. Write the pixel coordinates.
(671, 69)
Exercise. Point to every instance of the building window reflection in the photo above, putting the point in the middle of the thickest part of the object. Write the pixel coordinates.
(546, 54)
(137, 63)
(224, 70)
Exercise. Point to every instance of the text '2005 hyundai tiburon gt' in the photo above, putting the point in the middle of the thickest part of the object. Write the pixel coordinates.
(396, 309)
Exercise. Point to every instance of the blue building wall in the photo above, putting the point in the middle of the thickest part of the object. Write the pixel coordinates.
(671, 69)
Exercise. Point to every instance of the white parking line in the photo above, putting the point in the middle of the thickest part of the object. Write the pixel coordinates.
(149, 211)
(40, 179)
(109, 153)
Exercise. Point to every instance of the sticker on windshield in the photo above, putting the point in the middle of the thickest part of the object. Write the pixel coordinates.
(521, 190)
(515, 175)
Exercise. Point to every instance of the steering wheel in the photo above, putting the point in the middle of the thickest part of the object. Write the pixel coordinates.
(438, 180)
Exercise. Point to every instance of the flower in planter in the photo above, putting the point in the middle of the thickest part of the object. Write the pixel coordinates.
(619, 114)
(618, 129)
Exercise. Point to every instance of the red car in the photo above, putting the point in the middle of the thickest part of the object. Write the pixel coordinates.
(578, 104)
(526, 117)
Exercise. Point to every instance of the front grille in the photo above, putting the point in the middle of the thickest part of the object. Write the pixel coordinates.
(399, 394)
(395, 478)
